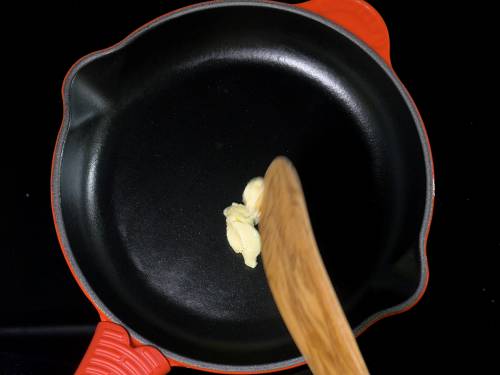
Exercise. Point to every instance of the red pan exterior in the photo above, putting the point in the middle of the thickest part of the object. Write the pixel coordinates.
(357, 17)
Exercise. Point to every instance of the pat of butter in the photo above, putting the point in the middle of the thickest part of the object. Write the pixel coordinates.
(241, 219)
(252, 196)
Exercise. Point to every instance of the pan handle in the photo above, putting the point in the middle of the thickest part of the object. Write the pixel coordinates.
(111, 352)
(357, 17)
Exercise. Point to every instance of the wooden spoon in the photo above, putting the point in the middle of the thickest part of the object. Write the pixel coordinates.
(298, 279)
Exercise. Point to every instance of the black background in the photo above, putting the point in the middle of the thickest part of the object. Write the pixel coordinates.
(46, 322)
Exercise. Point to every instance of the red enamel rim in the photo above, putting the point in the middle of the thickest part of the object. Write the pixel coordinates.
(318, 7)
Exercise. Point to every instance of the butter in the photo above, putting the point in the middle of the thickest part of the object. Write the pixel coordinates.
(241, 219)
(244, 239)
(239, 212)
(252, 196)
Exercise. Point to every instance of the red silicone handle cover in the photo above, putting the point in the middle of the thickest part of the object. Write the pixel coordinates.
(357, 17)
(111, 352)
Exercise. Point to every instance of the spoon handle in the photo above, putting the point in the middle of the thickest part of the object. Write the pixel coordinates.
(298, 279)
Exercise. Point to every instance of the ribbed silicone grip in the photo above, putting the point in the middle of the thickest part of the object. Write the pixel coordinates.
(111, 352)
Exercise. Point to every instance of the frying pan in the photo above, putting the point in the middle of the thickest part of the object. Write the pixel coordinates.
(160, 133)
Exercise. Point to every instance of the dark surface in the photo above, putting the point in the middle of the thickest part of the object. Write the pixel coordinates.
(45, 321)
(157, 148)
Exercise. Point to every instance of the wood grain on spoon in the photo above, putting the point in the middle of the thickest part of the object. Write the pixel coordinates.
(298, 279)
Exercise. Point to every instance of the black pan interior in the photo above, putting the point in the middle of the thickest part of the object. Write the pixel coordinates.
(164, 134)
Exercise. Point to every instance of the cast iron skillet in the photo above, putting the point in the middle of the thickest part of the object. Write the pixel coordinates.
(162, 131)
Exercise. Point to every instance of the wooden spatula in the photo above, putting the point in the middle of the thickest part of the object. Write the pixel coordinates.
(298, 279)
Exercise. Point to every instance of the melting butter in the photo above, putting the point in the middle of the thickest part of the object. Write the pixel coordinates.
(241, 219)
(252, 196)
